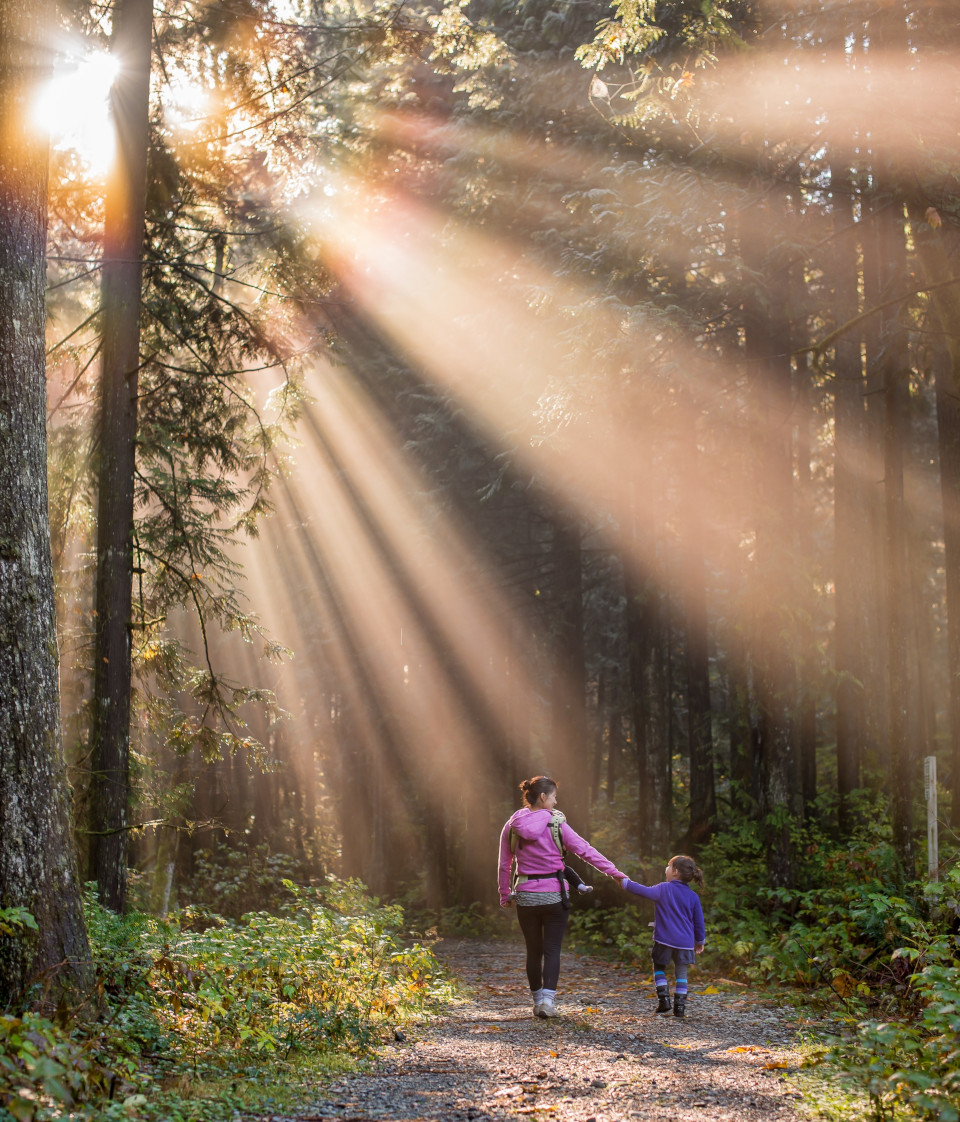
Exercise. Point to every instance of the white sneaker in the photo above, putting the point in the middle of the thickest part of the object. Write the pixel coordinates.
(547, 1008)
(536, 1010)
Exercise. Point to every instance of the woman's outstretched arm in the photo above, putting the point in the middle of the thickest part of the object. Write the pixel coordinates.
(584, 850)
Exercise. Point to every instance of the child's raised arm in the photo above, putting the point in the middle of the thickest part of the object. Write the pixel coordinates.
(650, 892)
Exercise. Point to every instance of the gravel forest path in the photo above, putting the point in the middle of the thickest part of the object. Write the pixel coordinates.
(607, 1058)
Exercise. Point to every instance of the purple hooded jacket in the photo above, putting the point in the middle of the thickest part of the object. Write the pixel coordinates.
(538, 853)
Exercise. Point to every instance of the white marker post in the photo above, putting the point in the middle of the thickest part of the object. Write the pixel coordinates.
(930, 792)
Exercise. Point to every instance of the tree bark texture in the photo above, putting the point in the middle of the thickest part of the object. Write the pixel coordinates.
(937, 252)
(703, 796)
(37, 861)
(569, 739)
(120, 296)
(948, 429)
(896, 403)
(767, 349)
(850, 527)
(648, 707)
(806, 716)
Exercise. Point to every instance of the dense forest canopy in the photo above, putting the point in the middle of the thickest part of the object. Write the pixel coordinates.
(441, 394)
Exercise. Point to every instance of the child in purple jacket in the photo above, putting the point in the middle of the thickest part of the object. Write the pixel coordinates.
(678, 929)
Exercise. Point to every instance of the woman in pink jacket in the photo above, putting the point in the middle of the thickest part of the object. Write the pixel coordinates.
(529, 841)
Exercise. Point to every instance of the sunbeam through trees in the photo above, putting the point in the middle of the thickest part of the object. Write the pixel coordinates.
(441, 394)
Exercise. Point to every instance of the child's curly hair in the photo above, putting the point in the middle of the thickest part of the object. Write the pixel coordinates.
(686, 869)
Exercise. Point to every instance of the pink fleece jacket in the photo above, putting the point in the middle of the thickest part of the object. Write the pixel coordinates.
(537, 852)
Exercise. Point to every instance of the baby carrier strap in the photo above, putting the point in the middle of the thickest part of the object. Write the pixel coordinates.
(557, 819)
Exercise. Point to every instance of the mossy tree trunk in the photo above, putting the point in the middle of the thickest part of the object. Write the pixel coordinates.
(37, 860)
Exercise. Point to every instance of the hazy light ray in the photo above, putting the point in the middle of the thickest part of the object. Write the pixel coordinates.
(474, 621)
(419, 699)
(890, 105)
(790, 98)
(621, 195)
(453, 710)
(281, 576)
(429, 286)
(436, 291)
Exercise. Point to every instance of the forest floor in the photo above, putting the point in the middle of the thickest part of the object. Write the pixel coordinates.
(607, 1058)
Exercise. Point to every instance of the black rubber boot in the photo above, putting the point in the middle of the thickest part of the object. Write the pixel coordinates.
(679, 1005)
(663, 1001)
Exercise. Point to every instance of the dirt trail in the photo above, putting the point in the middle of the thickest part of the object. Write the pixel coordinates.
(608, 1058)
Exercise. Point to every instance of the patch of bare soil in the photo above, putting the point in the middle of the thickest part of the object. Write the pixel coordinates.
(607, 1058)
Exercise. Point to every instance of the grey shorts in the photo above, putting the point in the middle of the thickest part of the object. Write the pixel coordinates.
(663, 955)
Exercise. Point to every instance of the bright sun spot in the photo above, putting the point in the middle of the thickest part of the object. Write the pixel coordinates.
(74, 108)
(186, 104)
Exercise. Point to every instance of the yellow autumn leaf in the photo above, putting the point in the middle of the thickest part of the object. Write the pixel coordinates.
(710, 989)
(843, 983)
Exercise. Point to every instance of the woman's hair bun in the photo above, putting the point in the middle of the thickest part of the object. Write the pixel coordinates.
(532, 789)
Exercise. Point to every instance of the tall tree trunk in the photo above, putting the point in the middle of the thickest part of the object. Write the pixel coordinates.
(703, 795)
(892, 257)
(744, 776)
(120, 294)
(948, 431)
(569, 740)
(614, 750)
(37, 860)
(806, 717)
(599, 734)
(767, 353)
(937, 247)
(647, 698)
(850, 526)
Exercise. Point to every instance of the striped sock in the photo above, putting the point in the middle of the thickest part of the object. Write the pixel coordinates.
(680, 989)
(660, 981)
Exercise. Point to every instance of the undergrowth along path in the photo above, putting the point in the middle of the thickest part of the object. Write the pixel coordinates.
(607, 1058)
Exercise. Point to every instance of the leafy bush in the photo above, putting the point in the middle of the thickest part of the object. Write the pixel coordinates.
(909, 1061)
(197, 998)
(232, 881)
(312, 976)
(878, 955)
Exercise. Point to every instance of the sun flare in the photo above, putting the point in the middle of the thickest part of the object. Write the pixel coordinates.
(73, 107)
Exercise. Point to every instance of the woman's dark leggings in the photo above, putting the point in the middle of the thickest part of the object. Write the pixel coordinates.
(543, 926)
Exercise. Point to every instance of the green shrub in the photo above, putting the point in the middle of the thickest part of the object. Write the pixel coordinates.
(197, 999)
(234, 881)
